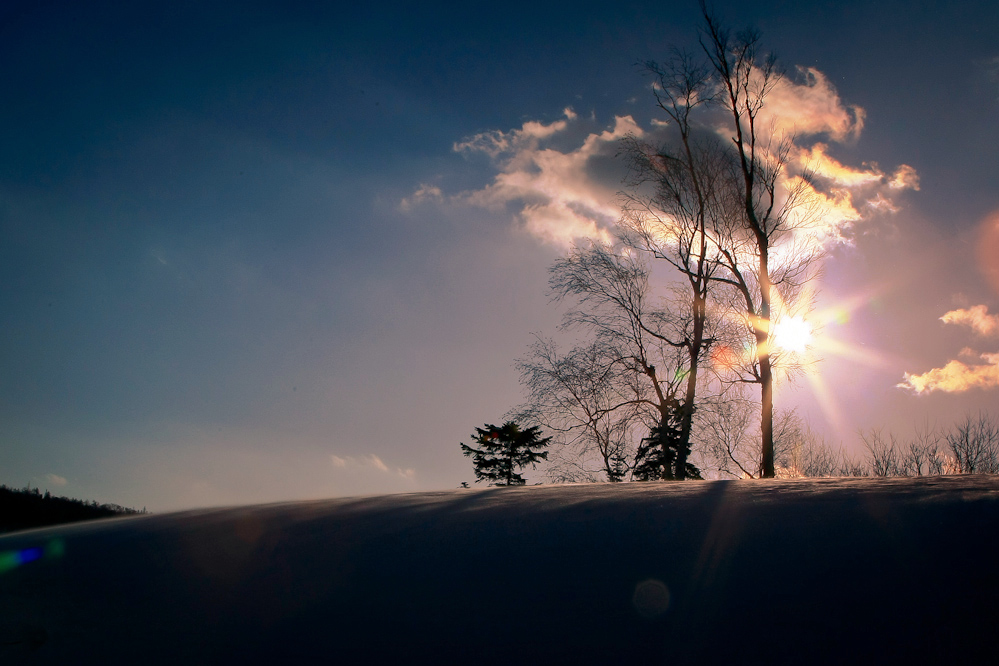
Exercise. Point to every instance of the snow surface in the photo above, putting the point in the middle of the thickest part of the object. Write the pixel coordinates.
(804, 571)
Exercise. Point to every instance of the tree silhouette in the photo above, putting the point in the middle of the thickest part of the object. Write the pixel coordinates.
(504, 450)
(662, 453)
(598, 397)
(719, 198)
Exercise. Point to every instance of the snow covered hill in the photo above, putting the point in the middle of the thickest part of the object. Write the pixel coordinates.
(804, 572)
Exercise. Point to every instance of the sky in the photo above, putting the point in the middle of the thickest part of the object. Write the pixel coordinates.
(293, 251)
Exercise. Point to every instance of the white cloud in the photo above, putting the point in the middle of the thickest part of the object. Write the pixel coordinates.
(370, 462)
(559, 199)
(977, 318)
(56, 480)
(377, 463)
(496, 143)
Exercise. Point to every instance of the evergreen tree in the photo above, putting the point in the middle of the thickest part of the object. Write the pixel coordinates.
(617, 468)
(503, 450)
(658, 453)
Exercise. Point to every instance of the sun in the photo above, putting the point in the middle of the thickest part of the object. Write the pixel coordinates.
(793, 334)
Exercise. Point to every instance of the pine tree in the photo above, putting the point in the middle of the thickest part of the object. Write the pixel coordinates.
(657, 455)
(503, 451)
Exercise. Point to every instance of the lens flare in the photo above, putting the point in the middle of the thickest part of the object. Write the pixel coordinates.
(11, 559)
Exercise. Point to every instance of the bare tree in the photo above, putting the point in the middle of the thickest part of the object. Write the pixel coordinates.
(728, 434)
(923, 455)
(599, 396)
(726, 437)
(773, 205)
(852, 466)
(810, 456)
(674, 199)
(717, 210)
(971, 448)
(974, 444)
(586, 398)
(882, 453)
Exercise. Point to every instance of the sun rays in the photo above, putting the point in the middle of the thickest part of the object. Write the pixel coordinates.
(817, 337)
(803, 338)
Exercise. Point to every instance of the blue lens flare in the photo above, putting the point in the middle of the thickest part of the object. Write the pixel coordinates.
(11, 559)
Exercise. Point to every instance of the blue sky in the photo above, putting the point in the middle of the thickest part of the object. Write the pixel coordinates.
(218, 283)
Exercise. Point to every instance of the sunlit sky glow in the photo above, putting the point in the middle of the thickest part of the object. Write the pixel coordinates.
(279, 253)
(793, 334)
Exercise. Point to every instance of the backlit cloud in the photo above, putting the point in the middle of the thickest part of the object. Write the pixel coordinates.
(822, 217)
(823, 166)
(977, 318)
(956, 377)
(842, 194)
(810, 105)
(905, 178)
(549, 182)
(558, 196)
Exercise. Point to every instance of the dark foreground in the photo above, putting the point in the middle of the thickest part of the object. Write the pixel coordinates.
(803, 572)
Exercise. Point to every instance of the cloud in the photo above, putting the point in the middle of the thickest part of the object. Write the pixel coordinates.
(956, 377)
(833, 190)
(838, 196)
(811, 106)
(370, 462)
(496, 143)
(422, 194)
(977, 318)
(559, 196)
(56, 480)
(823, 166)
(821, 218)
(905, 178)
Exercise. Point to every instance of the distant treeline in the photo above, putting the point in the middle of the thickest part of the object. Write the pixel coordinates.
(28, 507)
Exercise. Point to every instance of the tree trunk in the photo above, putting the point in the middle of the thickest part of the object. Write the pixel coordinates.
(764, 337)
(687, 409)
(767, 470)
(664, 424)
